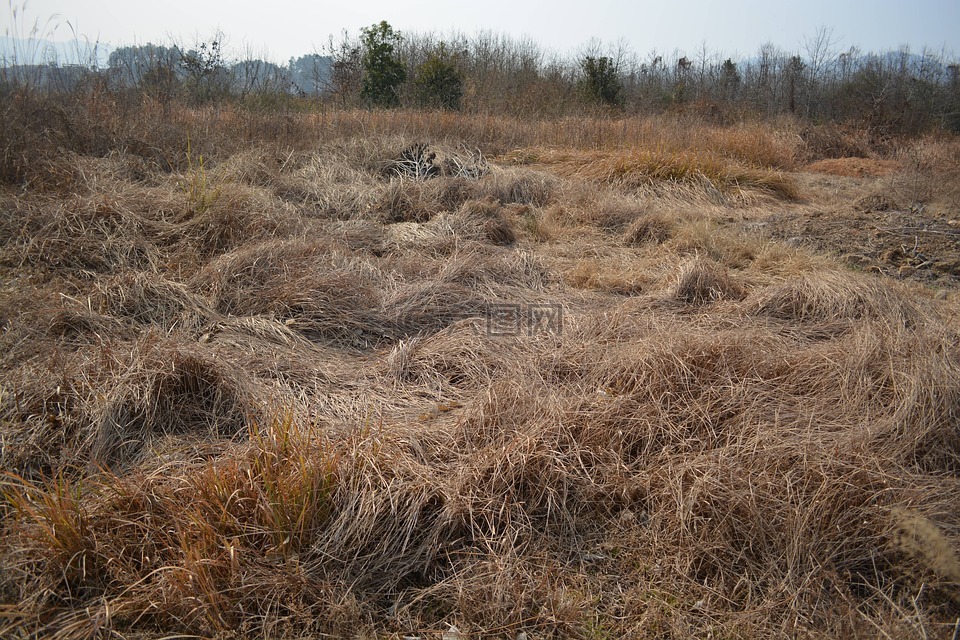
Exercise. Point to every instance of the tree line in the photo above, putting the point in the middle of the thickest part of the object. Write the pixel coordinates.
(487, 72)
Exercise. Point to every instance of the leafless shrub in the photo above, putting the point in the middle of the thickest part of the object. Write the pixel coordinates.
(464, 163)
(416, 162)
(420, 161)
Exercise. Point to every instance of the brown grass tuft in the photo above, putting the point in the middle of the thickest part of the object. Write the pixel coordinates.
(653, 228)
(404, 201)
(825, 296)
(150, 300)
(617, 277)
(701, 281)
(425, 307)
(834, 141)
(77, 234)
(918, 536)
(520, 186)
(639, 170)
(166, 389)
(220, 218)
(854, 167)
(483, 220)
(452, 358)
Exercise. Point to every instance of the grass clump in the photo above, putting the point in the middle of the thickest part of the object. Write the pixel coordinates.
(200, 194)
(649, 228)
(825, 295)
(483, 220)
(701, 281)
(165, 390)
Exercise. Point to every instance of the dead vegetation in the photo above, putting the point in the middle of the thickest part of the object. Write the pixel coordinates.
(574, 392)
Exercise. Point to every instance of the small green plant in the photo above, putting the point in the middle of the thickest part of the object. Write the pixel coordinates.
(200, 194)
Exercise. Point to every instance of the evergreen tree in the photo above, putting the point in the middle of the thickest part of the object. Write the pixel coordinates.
(600, 82)
(439, 84)
(729, 80)
(383, 72)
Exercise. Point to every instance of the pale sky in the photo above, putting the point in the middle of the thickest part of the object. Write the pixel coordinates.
(284, 28)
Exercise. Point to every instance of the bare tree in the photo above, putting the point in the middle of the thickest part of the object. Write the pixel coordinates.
(821, 49)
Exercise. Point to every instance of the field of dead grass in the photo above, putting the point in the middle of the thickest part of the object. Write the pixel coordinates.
(278, 377)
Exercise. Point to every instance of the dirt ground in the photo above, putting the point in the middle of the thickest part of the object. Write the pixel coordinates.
(872, 223)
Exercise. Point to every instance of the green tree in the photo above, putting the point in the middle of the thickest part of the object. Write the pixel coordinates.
(439, 83)
(601, 82)
(795, 72)
(383, 72)
(729, 80)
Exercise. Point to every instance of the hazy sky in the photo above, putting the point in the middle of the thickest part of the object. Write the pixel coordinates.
(284, 28)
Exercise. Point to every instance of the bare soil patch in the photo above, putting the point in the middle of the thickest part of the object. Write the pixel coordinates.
(873, 228)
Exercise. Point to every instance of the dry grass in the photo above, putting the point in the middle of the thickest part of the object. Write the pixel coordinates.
(276, 394)
(823, 296)
(640, 170)
(483, 220)
(166, 389)
(649, 228)
(700, 281)
(931, 174)
(859, 167)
